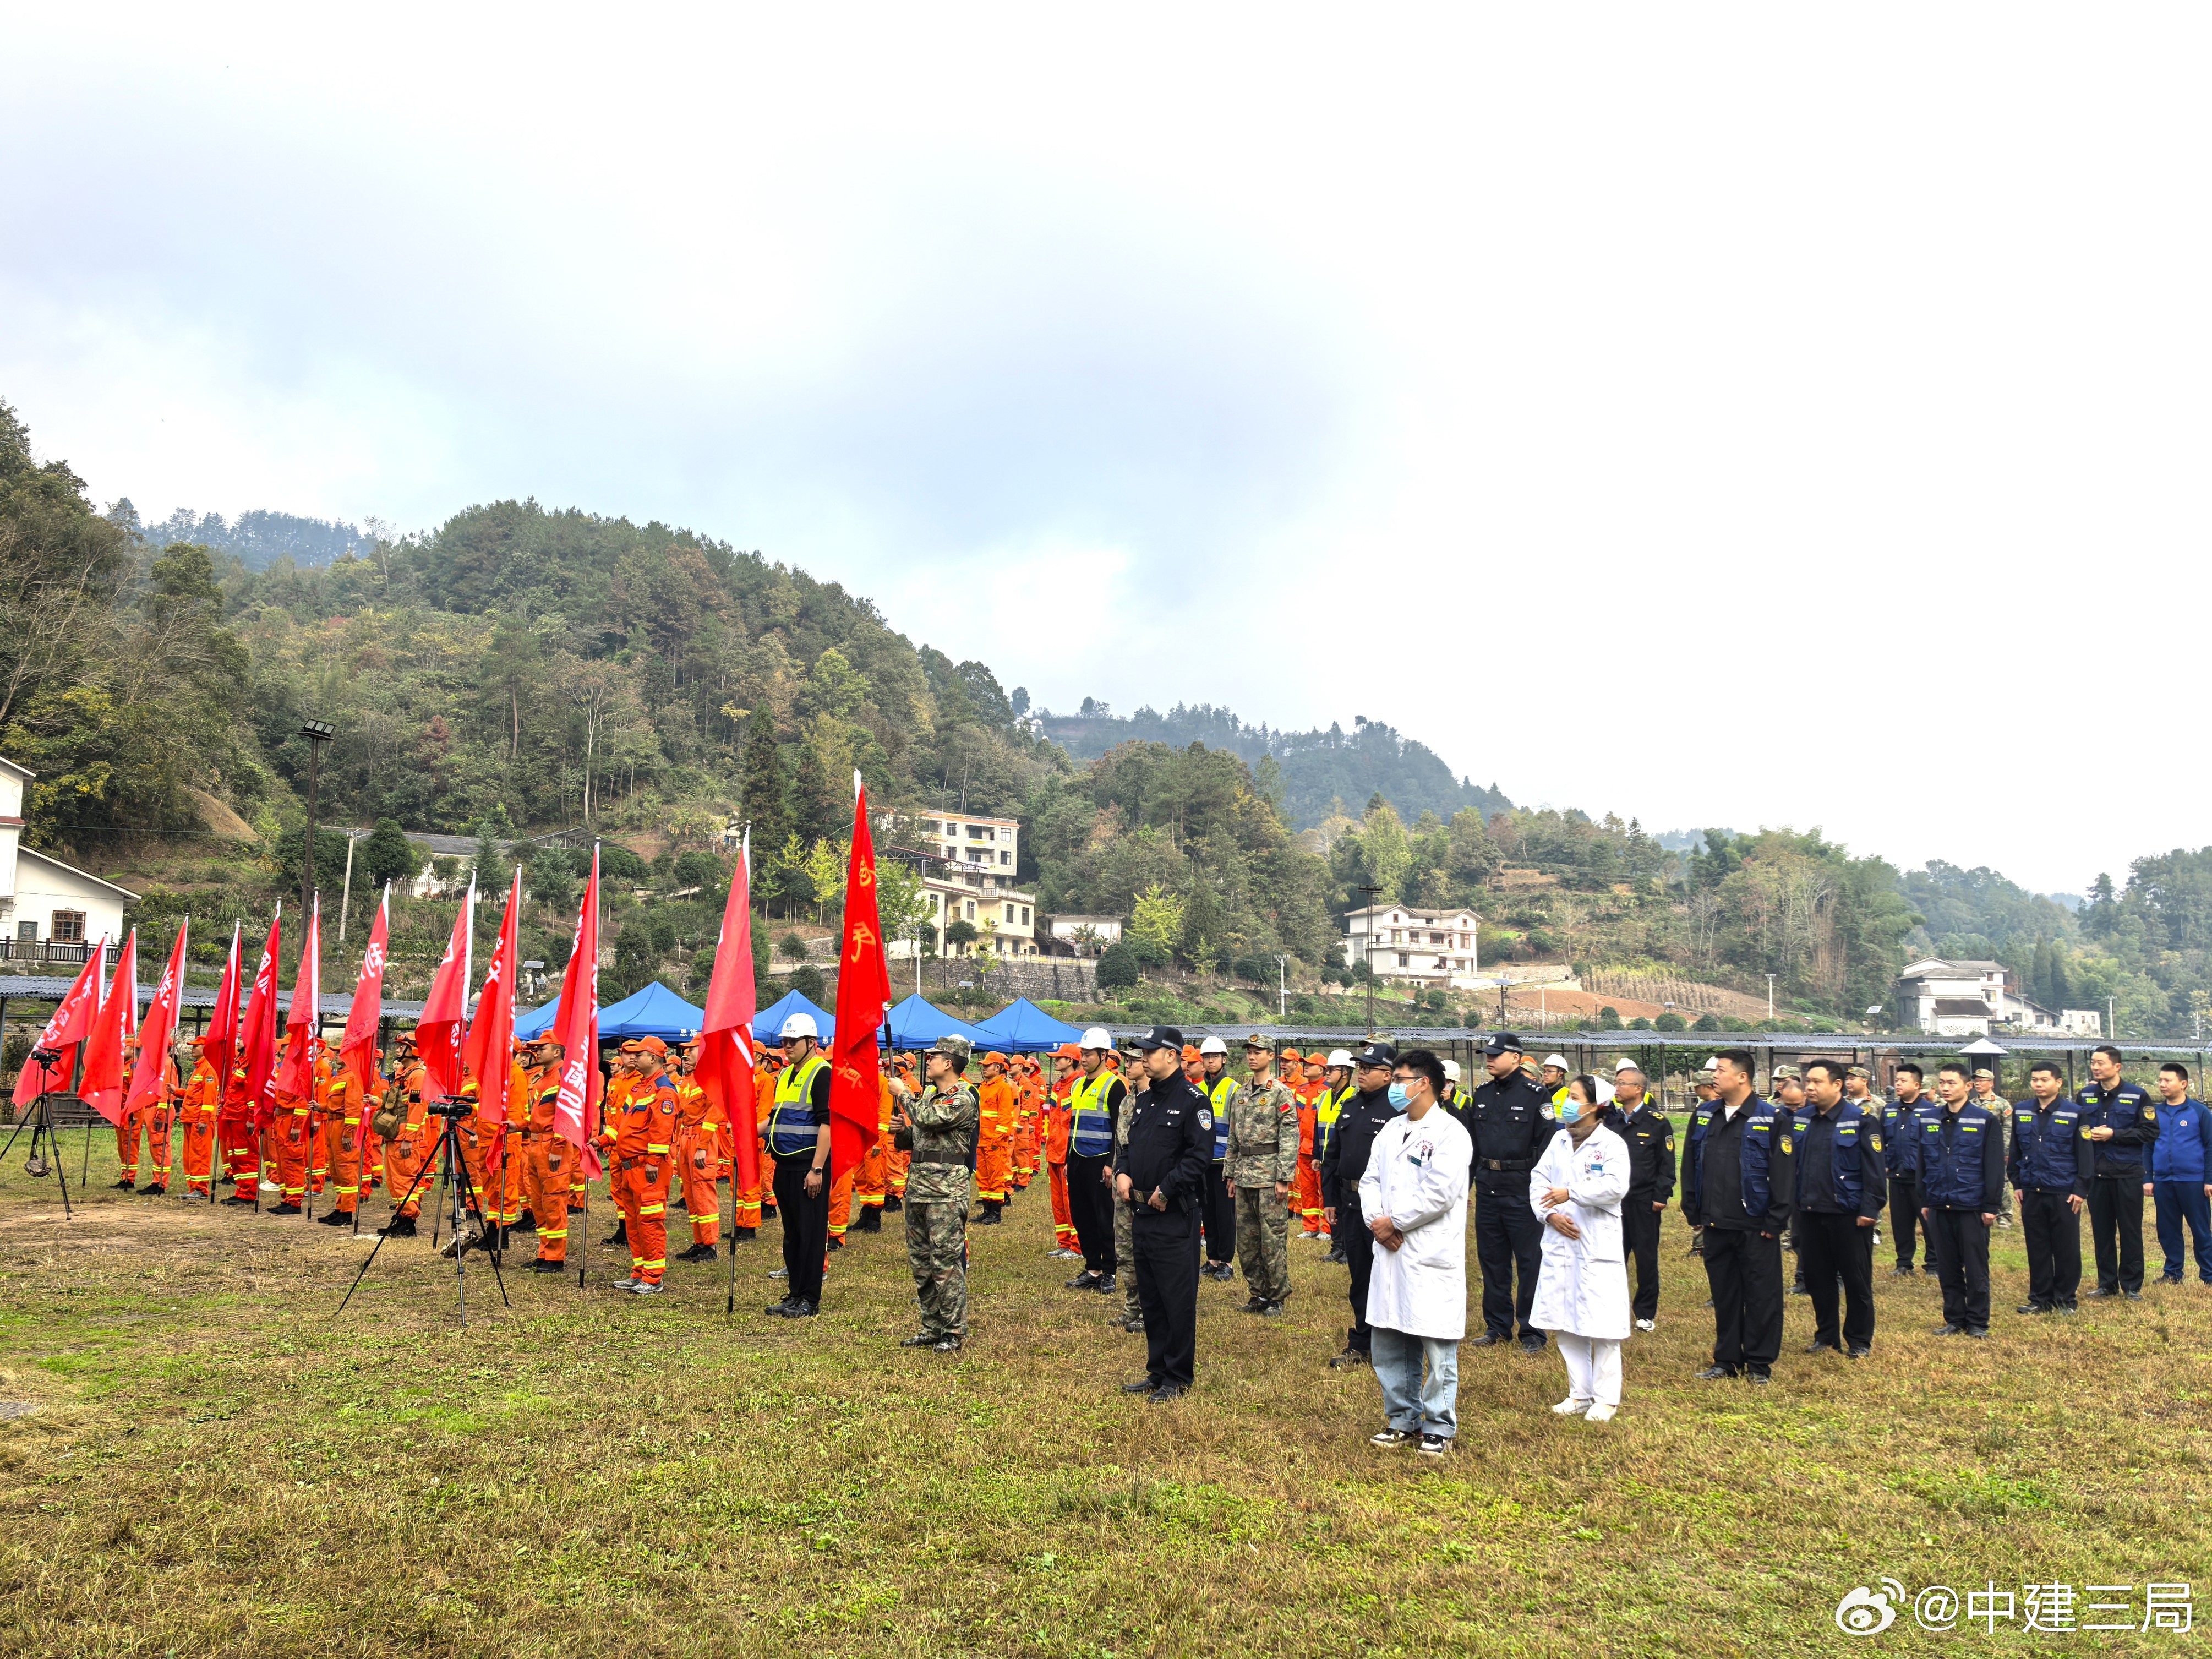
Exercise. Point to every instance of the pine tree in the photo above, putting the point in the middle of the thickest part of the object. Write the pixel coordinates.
(764, 791)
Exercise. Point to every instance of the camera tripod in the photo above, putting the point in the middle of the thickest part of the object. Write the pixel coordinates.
(451, 1110)
(40, 1120)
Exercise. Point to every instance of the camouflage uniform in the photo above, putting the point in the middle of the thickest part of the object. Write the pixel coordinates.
(946, 1122)
(1125, 1237)
(1263, 1151)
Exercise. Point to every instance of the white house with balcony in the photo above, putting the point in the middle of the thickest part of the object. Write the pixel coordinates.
(49, 911)
(1425, 948)
(1973, 998)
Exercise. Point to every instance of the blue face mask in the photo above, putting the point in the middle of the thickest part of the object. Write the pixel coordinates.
(1571, 1111)
(1398, 1096)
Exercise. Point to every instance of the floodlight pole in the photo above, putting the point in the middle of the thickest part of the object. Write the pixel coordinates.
(317, 732)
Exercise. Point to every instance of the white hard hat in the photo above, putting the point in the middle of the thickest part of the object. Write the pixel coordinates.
(1097, 1037)
(1560, 1061)
(1625, 1064)
(1340, 1057)
(1451, 1071)
(1213, 1045)
(798, 1025)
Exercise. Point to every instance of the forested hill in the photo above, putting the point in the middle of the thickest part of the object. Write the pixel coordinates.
(256, 539)
(1319, 769)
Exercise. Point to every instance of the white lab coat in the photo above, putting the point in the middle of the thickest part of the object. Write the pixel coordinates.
(1583, 1288)
(1417, 1176)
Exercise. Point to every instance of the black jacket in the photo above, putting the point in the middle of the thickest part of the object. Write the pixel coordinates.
(1506, 1122)
(1746, 1175)
(2131, 1112)
(1651, 1138)
(1171, 1144)
(1357, 1126)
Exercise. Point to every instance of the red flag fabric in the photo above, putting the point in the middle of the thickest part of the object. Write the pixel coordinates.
(576, 1111)
(149, 1079)
(489, 1054)
(101, 1088)
(440, 1032)
(357, 1048)
(295, 1075)
(70, 1025)
(256, 1093)
(726, 1045)
(222, 1039)
(864, 991)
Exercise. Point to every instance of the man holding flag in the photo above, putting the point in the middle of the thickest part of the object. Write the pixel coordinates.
(350, 1086)
(155, 1081)
(725, 1065)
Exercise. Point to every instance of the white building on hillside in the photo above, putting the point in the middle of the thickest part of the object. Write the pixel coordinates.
(1427, 948)
(49, 911)
(1945, 997)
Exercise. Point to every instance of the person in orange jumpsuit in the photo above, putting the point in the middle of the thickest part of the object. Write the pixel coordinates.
(994, 1139)
(345, 1130)
(642, 1143)
(407, 1162)
(241, 1142)
(758, 1200)
(153, 1118)
(197, 1103)
(869, 1186)
(698, 1148)
(895, 1161)
(319, 1138)
(1056, 1127)
(621, 1082)
(127, 1127)
(1022, 1076)
(292, 1137)
(1305, 1186)
(547, 1159)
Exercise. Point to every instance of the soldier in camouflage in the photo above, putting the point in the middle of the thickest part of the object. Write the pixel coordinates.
(1261, 1163)
(942, 1121)
(1131, 1316)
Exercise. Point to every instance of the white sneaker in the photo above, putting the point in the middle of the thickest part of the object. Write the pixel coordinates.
(1600, 1414)
(1571, 1407)
(1647, 1324)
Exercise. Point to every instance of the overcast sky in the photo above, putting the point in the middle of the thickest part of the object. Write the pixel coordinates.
(1717, 414)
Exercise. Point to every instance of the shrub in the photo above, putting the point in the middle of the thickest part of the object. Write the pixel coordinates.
(808, 982)
(1117, 967)
(1641, 1022)
(1668, 1022)
(1707, 1023)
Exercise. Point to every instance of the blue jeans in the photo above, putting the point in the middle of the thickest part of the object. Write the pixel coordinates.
(1413, 1404)
(2179, 1201)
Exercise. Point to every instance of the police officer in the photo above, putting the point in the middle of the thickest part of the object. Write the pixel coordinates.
(2123, 1122)
(1742, 1184)
(1160, 1174)
(1651, 1138)
(2053, 1166)
(1358, 1123)
(796, 1131)
(1898, 1118)
(1959, 1155)
(1508, 1124)
(1842, 1182)
(1221, 1088)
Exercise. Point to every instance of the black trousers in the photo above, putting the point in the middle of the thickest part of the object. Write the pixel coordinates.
(1358, 1244)
(2053, 1235)
(805, 1227)
(1166, 1246)
(1508, 1237)
(1745, 1271)
(2116, 1208)
(1835, 1249)
(1639, 1233)
(1220, 1218)
(1091, 1206)
(1904, 1215)
(1961, 1245)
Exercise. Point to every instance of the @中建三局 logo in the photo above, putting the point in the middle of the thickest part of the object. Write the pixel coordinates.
(1865, 1612)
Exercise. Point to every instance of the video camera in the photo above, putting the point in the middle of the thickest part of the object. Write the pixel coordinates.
(47, 1059)
(456, 1107)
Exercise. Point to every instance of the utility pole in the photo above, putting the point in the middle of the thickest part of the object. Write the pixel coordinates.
(1283, 988)
(317, 732)
(346, 899)
(1770, 996)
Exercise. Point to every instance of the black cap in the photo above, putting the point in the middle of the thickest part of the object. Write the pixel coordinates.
(1503, 1043)
(1376, 1053)
(1162, 1036)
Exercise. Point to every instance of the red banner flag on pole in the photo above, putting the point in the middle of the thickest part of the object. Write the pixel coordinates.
(70, 1025)
(863, 992)
(357, 1048)
(221, 1037)
(725, 1043)
(439, 1034)
(296, 1075)
(257, 1032)
(105, 1073)
(149, 1079)
(489, 1054)
(575, 1110)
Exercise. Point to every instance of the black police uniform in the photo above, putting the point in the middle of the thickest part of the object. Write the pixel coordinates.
(1842, 1181)
(2116, 1196)
(1363, 1118)
(1898, 1117)
(2050, 1162)
(1960, 1157)
(1742, 1186)
(1507, 1124)
(1651, 1138)
(1170, 1143)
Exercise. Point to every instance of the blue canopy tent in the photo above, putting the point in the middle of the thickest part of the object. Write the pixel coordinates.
(1022, 1028)
(768, 1024)
(538, 1021)
(654, 1012)
(917, 1024)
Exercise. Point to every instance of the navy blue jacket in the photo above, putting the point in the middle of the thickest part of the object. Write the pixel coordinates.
(1897, 1120)
(1693, 1140)
(2051, 1151)
(2184, 1151)
(1744, 1179)
(1858, 1168)
(1960, 1158)
(2131, 1112)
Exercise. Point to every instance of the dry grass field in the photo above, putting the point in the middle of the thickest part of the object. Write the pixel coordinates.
(214, 1461)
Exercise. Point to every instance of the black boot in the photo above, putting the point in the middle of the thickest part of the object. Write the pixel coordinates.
(333, 1218)
(156, 1190)
(400, 1226)
(893, 1205)
(871, 1219)
(620, 1236)
(744, 1235)
(990, 1218)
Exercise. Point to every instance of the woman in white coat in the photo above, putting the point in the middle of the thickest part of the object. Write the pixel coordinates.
(1581, 1290)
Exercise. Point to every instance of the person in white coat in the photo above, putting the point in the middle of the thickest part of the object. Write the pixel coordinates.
(1577, 1188)
(1412, 1196)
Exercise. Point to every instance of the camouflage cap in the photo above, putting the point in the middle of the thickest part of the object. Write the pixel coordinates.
(1261, 1040)
(958, 1047)
(1859, 1072)
(1788, 1075)
(1983, 1071)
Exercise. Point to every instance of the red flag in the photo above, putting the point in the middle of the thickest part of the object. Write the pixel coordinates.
(357, 1048)
(864, 991)
(296, 1075)
(72, 1024)
(489, 1054)
(725, 1047)
(149, 1080)
(439, 1033)
(256, 1093)
(222, 1019)
(575, 1112)
(102, 1087)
